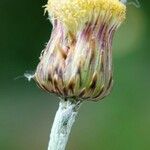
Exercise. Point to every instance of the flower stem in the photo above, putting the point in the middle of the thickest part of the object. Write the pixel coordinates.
(64, 119)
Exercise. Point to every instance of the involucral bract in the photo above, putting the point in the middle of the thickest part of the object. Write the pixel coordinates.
(77, 61)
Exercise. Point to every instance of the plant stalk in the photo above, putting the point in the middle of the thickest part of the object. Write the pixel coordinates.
(64, 119)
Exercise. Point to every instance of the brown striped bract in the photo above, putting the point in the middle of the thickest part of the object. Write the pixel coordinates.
(78, 64)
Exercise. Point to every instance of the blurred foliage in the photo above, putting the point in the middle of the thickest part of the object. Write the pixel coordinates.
(120, 122)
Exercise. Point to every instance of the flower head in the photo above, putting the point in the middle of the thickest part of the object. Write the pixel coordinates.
(77, 61)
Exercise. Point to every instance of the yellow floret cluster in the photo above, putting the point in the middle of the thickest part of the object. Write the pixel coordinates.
(75, 12)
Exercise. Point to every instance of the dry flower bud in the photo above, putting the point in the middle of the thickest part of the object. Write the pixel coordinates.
(77, 61)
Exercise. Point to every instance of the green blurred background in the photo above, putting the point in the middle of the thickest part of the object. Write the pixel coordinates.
(120, 122)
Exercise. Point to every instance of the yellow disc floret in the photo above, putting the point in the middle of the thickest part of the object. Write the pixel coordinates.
(73, 13)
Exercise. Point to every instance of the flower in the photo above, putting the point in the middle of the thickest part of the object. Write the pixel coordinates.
(77, 61)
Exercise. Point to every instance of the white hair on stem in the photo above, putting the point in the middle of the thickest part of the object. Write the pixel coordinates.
(136, 3)
(63, 122)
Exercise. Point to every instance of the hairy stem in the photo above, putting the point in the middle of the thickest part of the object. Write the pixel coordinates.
(64, 119)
